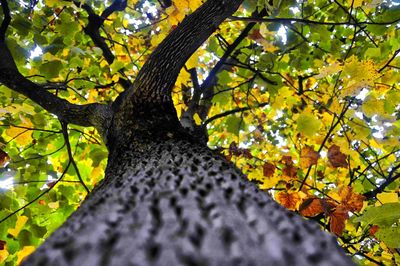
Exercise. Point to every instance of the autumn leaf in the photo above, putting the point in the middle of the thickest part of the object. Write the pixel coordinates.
(335, 157)
(18, 226)
(350, 200)
(289, 200)
(268, 169)
(2, 244)
(308, 157)
(338, 221)
(311, 207)
(24, 252)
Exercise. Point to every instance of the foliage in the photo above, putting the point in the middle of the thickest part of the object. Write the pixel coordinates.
(306, 103)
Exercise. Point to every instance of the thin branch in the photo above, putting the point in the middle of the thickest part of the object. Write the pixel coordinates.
(390, 60)
(390, 179)
(71, 157)
(307, 21)
(237, 110)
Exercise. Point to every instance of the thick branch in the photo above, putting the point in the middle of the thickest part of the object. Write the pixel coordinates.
(6, 20)
(157, 77)
(83, 115)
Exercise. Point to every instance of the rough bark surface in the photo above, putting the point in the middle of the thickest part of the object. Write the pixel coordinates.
(178, 203)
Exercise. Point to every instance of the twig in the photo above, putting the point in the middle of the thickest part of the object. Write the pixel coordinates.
(64, 126)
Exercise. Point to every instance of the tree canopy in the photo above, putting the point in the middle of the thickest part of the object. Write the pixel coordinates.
(303, 96)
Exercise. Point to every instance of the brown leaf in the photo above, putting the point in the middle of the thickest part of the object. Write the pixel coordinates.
(289, 171)
(335, 157)
(350, 200)
(287, 160)
(338, 220)
(288, 199)
(308, 157)
(268, 169)
(255, 35)
(4, 158)
(311, 207)
(2, 244)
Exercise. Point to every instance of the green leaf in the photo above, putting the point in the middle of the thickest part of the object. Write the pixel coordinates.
(308, 124)
(233, 124)
(384, 215)
(51, 69)
(389, 235)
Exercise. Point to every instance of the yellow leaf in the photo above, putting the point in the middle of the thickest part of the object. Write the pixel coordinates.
(193, 61)
(197, 119)
(387, 197)
(22, 136)
(329, 70)
(26, 251)
(358, 75)
(18, 226)
(3, 255)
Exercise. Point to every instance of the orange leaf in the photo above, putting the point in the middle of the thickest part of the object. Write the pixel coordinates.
(311, 207)
(336, 158)
(308, 157)
(338, 221)
(268, 169)
(288, 199)
(350, 200)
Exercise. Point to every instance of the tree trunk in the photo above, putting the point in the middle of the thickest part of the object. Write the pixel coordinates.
(175, 202)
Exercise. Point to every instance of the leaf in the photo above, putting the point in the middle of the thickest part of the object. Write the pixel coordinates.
(384, 215)
(389, 235)
(268, 169)
(388, 197)
(350, 200)
(289, 200)
(337, 221)
(2, 244)
(308, 157)
(335, 157)
(22, 136)
(26, 251)
(18, 226)
(308, 124)
(233, 124)
(311, 207)
(51, 69)
(3, 255)
(197, 119)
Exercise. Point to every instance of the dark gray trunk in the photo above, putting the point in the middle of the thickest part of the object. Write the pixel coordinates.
(175, 202)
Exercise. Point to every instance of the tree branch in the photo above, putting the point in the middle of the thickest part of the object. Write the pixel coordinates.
(154, 82)
(93, 30)
(64, 127)
(6, 20)
(307, 21)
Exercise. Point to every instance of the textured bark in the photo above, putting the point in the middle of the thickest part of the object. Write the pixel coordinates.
(178, 203)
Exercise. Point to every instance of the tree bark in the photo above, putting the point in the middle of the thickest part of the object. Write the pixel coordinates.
(176, 202)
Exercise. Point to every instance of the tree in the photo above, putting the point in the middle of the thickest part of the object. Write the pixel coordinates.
(311, 117)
